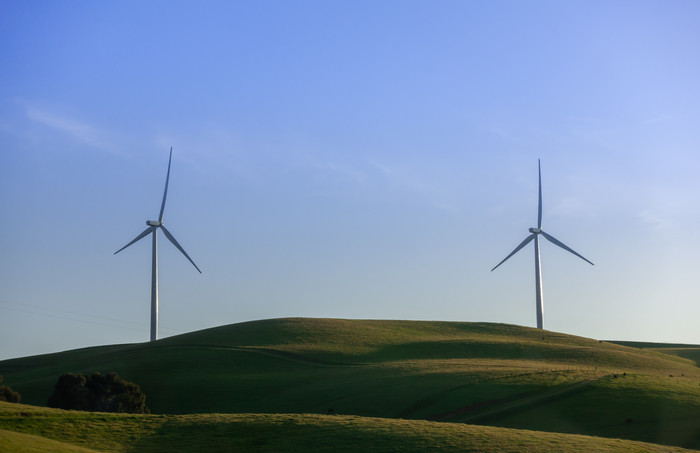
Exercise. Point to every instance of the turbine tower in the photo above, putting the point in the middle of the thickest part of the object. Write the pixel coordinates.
(536, 232)
(153, 226)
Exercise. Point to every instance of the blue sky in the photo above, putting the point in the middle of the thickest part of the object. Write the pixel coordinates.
(350, 159)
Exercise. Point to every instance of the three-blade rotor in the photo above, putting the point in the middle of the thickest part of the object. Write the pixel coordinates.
(538, 230)
(153, 225)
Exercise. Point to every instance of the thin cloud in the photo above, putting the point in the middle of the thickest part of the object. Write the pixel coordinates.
(658, 119)
(426, 184)
(346, 172)
(79, 131)
(668, 208)
(654, 218)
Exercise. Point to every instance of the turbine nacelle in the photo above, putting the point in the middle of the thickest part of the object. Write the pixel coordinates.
(154, 223)
(531, 230)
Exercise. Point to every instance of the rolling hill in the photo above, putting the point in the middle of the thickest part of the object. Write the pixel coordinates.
(25, 429)
(476, 373)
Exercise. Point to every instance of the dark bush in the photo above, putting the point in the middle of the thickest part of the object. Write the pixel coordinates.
(7, 394)
(101, 393)
(70, 392)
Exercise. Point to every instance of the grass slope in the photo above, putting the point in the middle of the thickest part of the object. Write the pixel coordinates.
(41, 429)
(27, 443)
(688, 351)
(466, 372)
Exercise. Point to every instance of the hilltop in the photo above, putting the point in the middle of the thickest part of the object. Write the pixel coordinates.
(490, 374)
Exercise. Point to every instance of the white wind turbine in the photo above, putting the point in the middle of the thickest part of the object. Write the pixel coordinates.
(153, 226)
(535, 235)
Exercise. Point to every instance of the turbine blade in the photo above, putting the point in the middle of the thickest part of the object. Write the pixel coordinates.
(560, 244)
(165, 193)
(522, 244)
(539, 201)
(145, 233)
(179, 247)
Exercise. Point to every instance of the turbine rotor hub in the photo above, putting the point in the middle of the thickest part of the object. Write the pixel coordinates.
(535, 230)
(153, 223)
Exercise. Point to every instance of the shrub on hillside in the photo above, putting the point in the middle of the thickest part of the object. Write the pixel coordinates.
(7, 394)
(100, 393)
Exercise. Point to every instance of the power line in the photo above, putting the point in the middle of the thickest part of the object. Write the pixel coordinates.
(48, 315)
(70, 312)
(96, 318)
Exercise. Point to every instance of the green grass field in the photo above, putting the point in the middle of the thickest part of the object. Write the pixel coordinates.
(31, 429)
(475, 373)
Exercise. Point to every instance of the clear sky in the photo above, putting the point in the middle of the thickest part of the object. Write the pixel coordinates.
(349, 159)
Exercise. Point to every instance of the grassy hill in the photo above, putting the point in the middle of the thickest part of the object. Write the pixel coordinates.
(491, 374)
(688, 351)
(26, 429)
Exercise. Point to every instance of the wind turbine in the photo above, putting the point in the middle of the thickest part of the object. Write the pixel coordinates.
(153, 226)
(536, 232)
